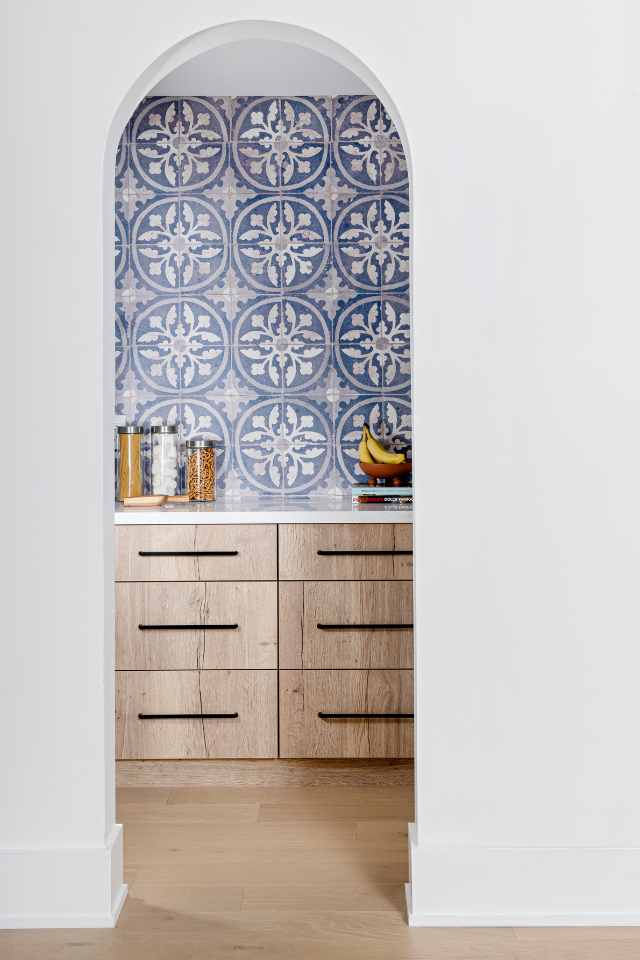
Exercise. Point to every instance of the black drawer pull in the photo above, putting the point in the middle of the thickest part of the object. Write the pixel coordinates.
(187, 553)
(365, 553)
(364, 626)
(187, 626)
(187, 716)
(365, 716)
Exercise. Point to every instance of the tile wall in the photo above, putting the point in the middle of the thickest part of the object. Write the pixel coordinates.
(262, 283)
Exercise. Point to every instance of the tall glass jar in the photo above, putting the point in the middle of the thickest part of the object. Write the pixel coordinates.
(164, 459)
(201, 470)
(130, 461)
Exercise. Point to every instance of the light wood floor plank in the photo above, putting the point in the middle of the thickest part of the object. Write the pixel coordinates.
(281, 795)
(331, 810)
(185, 813)
(313, 870)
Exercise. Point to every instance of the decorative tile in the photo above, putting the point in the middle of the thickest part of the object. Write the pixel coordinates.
(281, 143)
(178, 143)
(121, 236)
(122, 343)
(256, 135)
(131, 194)
(132, 396)
(373, 344)
(394, 241)
(122, 154)
(256, 244)
(330, 192)
(281, 345)
(233, 486)
(304, 141)
(179, 243)
(121, 252)
(180, 345)
(231, 396)
(371, 242)
(368, 149)
(331, 292)
(333, 393)
(204, 136)
(229, 192)
(280, 243)
(131, 294)
(262, 255)
(283, 446)
(230, 294)
(304, 246)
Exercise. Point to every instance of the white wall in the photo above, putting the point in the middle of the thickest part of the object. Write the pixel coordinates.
(239, 69)
(521, 122)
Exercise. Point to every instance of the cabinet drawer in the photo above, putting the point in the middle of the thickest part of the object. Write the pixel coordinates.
(202, 552)
(307, 696)
(248, 697)
(351, 624)
(186, 626)
(345, 551)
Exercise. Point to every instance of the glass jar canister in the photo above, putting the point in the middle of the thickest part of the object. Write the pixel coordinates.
(201, 470)
(130, 461)
(164, 459)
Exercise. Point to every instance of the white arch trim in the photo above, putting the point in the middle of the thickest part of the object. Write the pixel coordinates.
(181, 52)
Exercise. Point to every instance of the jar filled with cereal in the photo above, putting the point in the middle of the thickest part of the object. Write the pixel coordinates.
(201, 470)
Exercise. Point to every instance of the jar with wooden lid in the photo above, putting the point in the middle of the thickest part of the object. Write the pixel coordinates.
(201, 470)
(164, 459)
(130, 461)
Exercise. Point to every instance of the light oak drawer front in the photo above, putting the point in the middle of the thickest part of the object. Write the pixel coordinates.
(352, 624)
(186, 626)
(345, 551)
(315, 709)
(190, 714)
(202, 552)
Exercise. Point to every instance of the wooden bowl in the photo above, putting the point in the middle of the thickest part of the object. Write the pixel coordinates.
(387, 472)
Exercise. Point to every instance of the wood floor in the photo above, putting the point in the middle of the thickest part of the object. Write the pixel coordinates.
(287, 872)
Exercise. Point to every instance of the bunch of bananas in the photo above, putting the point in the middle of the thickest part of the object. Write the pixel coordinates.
(372, 451)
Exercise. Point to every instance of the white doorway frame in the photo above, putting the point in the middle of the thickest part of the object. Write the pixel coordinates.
(171, 59)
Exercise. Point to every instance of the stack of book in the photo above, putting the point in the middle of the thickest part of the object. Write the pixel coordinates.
(380, 494)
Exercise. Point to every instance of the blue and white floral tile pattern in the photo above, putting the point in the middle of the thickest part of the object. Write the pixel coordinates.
(262, 283)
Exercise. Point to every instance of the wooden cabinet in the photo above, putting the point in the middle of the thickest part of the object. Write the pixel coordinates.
(196, 626)
(345, 640)
(346, 713)
(190, 714)
(202, 552)
(350, 625)
(345, 551)
(230, 636)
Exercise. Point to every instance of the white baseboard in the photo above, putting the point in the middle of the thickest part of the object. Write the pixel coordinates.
(484, 886)
(63, 921)
(64, 887)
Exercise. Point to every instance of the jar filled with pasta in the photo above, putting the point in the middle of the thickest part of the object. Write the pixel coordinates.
(129, 461)
(201, 470)
(164, 459)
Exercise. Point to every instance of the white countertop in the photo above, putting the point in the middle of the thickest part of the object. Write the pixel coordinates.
(266, 510)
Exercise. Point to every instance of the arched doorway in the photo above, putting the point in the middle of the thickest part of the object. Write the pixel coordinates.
(213, 39)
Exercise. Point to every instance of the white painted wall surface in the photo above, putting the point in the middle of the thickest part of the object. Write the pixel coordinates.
(522, 126)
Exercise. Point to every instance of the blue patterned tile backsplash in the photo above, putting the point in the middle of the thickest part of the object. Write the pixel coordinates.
(262, 283)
